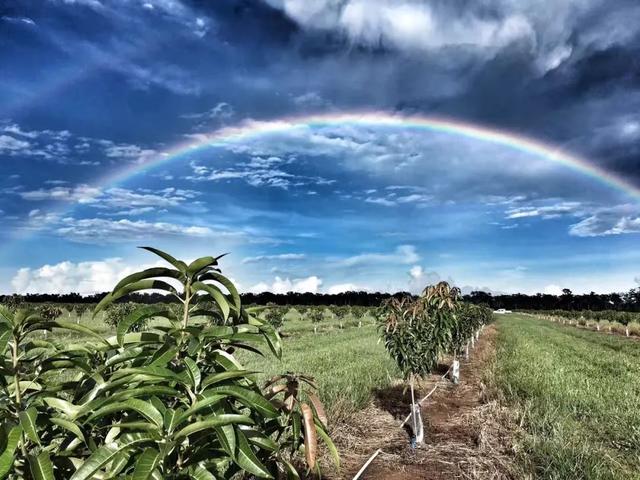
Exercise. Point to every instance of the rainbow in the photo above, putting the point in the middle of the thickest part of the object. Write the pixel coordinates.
(251, 129)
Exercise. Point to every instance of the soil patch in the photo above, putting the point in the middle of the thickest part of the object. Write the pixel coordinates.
(467, 434)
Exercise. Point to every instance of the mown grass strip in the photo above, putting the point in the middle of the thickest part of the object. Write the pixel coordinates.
(348, 364)
(578, 393)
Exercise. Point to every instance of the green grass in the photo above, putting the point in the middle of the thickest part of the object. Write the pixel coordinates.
(579, 396)
(347, 364)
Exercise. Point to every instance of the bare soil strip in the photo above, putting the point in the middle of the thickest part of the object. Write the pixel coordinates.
(467, 434)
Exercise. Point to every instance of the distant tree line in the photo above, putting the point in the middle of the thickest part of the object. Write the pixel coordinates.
(364, 299)
(628, 301)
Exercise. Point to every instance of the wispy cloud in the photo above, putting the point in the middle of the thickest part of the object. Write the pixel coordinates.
(403, 254)
(266, 171)
(280, 256)
(622, 219)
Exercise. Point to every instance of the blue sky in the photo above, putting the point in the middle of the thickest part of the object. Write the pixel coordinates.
(93, 88)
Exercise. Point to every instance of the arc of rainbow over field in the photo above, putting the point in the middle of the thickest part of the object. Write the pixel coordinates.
(252, 129)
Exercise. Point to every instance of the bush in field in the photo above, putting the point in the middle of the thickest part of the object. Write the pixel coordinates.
(13, 302)
(168, 403)
(80, 310)
(119, 311)
(49, 312)
(275, 316)
(315, 315)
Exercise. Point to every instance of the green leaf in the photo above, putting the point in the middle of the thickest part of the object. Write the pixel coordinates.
(149, 284)
(41, 467)
(259, 439)
(68, 408)
(6, 316)
(67, 425)
(222, 376)
(149, 273)
(199, 264)
(146, 464)
(78, 328)
(199, 472)
(249, 398)
(227, 437)
(171, 417)
(107, 453)
(217, 295)
(211, 422)
(292, 473)
(273, 339)
(139, 315)
(145, 409)
(28, 420)
(207, 400)
(179, 264)
(247, 459)
(329, 443)
(7, 459)
(228, 284)
(194, 372)
(145, 391)
(5, 335)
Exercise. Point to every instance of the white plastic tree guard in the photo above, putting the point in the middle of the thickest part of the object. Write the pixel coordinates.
(455, 372)
(417, 427)
(415, 419)
(466, 352)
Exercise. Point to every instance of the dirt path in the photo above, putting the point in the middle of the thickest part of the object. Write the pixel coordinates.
(466, 435)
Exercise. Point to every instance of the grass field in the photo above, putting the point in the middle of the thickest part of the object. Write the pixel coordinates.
(577, 392)
(579, 396)
(348, 364)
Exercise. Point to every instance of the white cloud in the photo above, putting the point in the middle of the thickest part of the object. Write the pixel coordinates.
(408, 24)
(222, 111)
(393, 200)
(344, 287)
(621, 219)
(10, 144)
(282, 256)
(404, 254)
(553, 290)
(416, 272)
(64, 277)
(311, 100)
(103, 230)
(132, 201)
(80, 194)
(23, 20)
(547, 211)
(259, 171)
(283, 285)
(127, 151)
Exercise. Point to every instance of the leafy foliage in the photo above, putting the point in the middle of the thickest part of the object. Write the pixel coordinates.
(417, 332)
(171, 402)
(275, 316)
(118, 311)
(49, 312)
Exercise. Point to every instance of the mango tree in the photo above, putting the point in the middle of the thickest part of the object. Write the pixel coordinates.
(417, 332)
(171, 402)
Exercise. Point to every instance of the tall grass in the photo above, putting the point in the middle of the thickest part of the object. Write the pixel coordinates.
(578, 393)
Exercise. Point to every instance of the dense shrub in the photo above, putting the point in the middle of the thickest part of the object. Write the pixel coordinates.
(171, 402)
